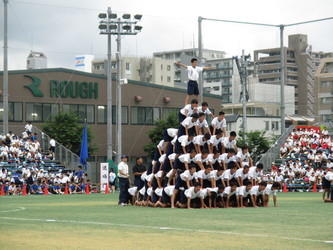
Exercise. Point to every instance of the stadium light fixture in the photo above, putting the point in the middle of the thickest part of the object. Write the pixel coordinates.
(102, 15)
(126, 16)
(113, 27)
(127, 27)
(138, 17)
(113, 15)
(138, 28)
(102, 26)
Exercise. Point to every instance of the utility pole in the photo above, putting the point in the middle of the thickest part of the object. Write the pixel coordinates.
(5, 68)
(119, 99)
(244, 97)
(283, 80)
(109, 90)
(200, 55)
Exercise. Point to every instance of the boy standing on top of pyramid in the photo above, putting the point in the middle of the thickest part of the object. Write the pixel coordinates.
(193, 73)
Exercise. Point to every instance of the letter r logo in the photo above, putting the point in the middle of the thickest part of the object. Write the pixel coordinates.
(34, 86)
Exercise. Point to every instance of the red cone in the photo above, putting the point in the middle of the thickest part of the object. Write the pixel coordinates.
(285, 190)
(45, 190)
(87, 189)
(107, 190)
(24, 190)
(2, 190)
(66, 189)
(314, 188)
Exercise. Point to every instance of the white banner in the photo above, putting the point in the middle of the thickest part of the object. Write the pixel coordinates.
(104, 175)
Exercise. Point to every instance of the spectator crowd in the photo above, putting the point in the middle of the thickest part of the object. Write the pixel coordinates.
(25, 166)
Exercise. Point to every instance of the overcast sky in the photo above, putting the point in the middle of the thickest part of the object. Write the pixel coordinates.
(63, 29)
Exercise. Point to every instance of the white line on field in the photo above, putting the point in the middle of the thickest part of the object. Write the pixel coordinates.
(13, 210)
(164, 228)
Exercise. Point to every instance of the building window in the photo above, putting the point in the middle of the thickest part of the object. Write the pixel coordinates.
(156, 114)
(127, 66)
(326, 100)
(167, 111)
(169, 79)
(14, 111)
(275, 126)
(161, 66)
(266, 125)
(49, 111)
(168, 67)
(144, 115)
(34, 112)
(101, 113)
(161, 78)
(124, 115)
(85, 112)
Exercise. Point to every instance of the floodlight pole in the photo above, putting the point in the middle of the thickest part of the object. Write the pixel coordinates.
(119, 98)
(109, 89)
(244, 100)
(5, 68)
(282, 80)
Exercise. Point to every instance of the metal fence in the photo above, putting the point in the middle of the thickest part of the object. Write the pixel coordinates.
(62, 154)
(273, 153)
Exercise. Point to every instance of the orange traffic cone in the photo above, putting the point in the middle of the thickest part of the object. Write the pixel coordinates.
(66, 189)
(87, 189)
(285, 190)
(107, 190)
(45, 190)
(314, 188)
(2, 190)
(24, 190)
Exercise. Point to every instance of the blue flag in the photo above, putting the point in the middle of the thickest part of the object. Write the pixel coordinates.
(84, 147)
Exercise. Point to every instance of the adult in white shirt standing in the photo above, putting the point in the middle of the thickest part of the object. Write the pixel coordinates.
(123, 181)
(193, 73)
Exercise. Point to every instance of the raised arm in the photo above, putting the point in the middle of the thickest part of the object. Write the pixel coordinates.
(208, 68)
(181, 65)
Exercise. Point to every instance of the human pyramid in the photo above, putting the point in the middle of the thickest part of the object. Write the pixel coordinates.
(199, 165)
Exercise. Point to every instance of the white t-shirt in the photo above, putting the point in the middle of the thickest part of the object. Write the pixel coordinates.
(189, 193)
(216, 123)
(198, 140)
(169, 190)
(188, 110)
(183, 140)
(224, 158)
(214, 140)
(254, 190)
(186, 175)
(185, 158)
(122, 166)
(202, 175)
(268, 190)
(172, 132)
(228, 144)
(241, 191)
(207, 111)
(52, 143)
(227, 192)
(188, 123)
(240, 173)
(203, 124)
(28, 127)
(227, 175)
(193, 73)
(112, 177)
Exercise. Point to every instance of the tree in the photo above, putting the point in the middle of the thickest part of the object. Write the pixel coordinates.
(156, 134)
(66, 128)
(256, 141)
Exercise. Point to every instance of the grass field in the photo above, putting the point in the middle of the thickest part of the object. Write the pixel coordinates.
(302, 221)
